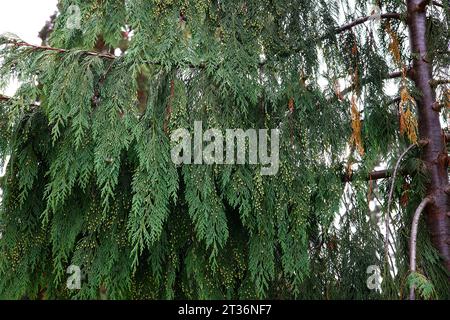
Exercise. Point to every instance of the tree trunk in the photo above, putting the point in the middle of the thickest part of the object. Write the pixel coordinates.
(434, 153)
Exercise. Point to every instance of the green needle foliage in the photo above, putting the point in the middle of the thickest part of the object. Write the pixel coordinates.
(90, 181)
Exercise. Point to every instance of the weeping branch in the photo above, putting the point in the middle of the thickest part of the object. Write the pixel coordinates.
(59, 50)
(348, 26)
(413, 241)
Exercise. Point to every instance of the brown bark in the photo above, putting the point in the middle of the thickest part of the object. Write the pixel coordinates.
(434, 154)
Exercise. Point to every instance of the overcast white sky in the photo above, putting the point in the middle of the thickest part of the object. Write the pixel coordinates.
(24, 18)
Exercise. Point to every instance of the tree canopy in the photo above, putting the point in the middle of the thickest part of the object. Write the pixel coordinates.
(90, 181)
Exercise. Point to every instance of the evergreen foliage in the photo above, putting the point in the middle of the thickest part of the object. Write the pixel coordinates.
(90, 181)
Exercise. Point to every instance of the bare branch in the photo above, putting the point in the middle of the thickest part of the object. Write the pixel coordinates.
(201, 65)
(348, 26)
(374, 175)
(436, 82)
(413, 240)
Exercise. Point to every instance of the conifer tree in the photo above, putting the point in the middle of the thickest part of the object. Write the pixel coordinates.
(90, 181)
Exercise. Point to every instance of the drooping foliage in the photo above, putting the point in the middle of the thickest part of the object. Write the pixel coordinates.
(90, 181)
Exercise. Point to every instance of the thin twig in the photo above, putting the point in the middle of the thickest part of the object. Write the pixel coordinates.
(200, 65)
(391, 192)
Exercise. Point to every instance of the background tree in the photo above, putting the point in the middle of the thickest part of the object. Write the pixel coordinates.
(90, 181)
